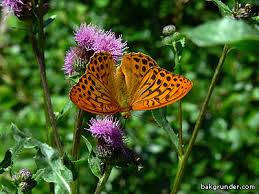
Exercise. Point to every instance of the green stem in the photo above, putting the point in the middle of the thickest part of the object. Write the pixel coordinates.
(180, 130)
(76, 147)
(183, 161)
(38, 48)
(180, 115)
(103, 179)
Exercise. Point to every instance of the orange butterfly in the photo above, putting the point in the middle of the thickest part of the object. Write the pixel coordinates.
(137, 84)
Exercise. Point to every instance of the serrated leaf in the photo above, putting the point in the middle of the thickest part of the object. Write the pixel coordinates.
(223, 31)
(51, 168)
(94, 164)
(224, 9)
(54, 170)
(6, 162)
(16, 150)
(160, 117)
(21, 138)
(18, 135)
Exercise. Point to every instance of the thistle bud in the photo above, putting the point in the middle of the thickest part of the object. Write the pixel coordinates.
(245, 12)
(27, 186)
(24, 186)
(23, 175)
(168, 30)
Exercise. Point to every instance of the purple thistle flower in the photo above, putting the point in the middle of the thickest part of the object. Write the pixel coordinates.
(25, 10)
(14, 5)
(69, 61)
(107, 130)
(90, 38)
(86, 35)
(110, 146)
(107, 41)
(76, 60)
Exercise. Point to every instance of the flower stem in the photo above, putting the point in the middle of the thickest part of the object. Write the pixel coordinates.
(183, 161)
(38, 48)
(180, 130)
(76, 146)
(103, 179)
(178, 70)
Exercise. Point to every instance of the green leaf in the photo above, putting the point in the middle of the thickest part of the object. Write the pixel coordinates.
(4, 190)
(54, 170)
(223, 31)
(71, 166)
(94, 164)
(249, 46)
(38, 175)
(160, 117)
(51, 168)
(49, 20)
(223, 8)
(17, 133)
(64, 110)
(6, 162)
(88, 145)
(22, 140)
(16, 150)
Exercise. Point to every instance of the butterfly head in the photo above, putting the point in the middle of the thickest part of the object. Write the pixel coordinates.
(126, 115)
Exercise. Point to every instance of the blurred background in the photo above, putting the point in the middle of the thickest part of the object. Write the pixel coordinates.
(226, 150)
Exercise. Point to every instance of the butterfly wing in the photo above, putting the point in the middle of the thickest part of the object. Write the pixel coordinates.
(159, 88)
(148, 85)
(95, 91)
(134, 66)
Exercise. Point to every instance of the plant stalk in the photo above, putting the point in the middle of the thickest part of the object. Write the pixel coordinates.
(103, 179)
(76, 147)
(38, 48)
(180, 130)
(180, 115)
(183, 161)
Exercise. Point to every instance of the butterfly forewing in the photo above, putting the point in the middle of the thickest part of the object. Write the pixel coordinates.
(95, 91)
(134, 66)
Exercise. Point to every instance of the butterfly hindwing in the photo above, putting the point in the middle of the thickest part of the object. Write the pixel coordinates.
(159, 88)
(93, 92)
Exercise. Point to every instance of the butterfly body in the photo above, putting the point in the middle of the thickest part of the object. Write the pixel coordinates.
(137, 84)
(122, 96)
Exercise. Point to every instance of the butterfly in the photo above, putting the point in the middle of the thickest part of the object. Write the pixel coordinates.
(138, 83)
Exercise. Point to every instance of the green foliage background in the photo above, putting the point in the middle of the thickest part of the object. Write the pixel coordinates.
(227, 148)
